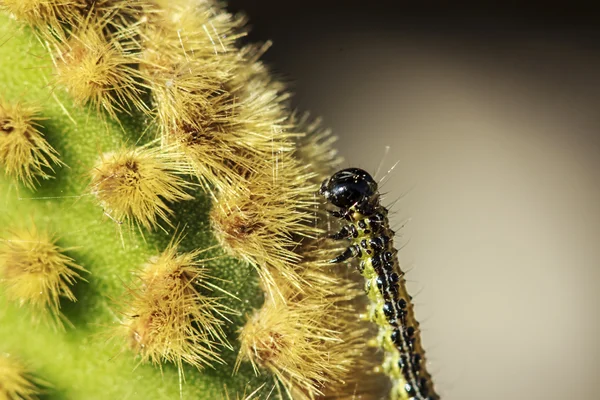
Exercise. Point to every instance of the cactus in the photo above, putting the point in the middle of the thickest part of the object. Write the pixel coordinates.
(160, 235)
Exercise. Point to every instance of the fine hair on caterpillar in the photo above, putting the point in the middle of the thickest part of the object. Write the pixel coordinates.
(356, 195)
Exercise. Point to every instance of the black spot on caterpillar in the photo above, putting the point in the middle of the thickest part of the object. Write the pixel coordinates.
(355, 194)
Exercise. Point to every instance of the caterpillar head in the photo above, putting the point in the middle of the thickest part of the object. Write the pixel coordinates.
(349, 187)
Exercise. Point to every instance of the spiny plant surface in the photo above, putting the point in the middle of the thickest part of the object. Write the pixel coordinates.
(159, 232)
(80, 362)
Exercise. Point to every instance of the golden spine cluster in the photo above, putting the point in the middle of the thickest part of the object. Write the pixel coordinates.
(136, 185)
(35, 272)
(16, 380)
(168, 319)
(222, 120)
(24, 152)
(307, 339)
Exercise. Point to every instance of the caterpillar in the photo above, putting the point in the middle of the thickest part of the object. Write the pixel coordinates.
(355, 194)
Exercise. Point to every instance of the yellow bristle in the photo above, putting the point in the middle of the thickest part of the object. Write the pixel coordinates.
(193, 30)
(316, 147)
(24, 153)
(184, 61)
(309, 340)
(40, 12)
(60, 16)
(194, 111)
(213, 156)
(16, 381)
(264, 221)
(245, 395)
(169, 318)
(262, 123)
(135, 185)
(222, 125)
(100, 71)
(185, 64)
(189, 94)
(278, 339)
(35, 272)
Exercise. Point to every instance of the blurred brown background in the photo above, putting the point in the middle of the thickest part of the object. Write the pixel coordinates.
(493, 115)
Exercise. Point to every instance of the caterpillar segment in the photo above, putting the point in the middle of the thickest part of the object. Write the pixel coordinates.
(355, 194)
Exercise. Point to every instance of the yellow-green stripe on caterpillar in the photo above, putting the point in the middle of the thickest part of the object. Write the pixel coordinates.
(355, 193)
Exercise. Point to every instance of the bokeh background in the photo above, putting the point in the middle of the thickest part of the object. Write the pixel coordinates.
(493, 118)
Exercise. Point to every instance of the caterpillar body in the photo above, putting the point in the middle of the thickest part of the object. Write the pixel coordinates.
(355, 194)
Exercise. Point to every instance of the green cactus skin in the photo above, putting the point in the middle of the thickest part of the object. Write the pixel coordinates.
(79, 362)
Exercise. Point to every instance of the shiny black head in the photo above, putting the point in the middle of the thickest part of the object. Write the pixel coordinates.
(349, 187)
